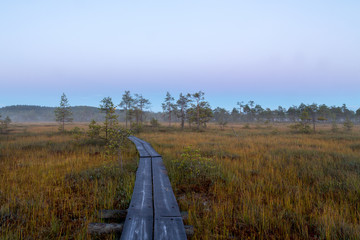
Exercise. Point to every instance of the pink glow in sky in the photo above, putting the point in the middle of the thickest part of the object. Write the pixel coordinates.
(273, 52)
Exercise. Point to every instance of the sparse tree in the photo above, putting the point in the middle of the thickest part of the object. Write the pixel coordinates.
(313, 111)
(348, 124)
(140, 103)
(108, 107)
(235, 115)
(116, 143)
(241, 106)
(357, 114)
(200, 111)
(126, 103)
(198, 97)
(293, 113)
(303, 125)
(63, 113)
(182, 104)
(4, 124)
(334, 127)
(168, 106)
(94, 130)
(221, 116)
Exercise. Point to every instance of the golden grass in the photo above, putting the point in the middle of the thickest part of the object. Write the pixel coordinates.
(51, 186)
(268, 183)
(273, 184)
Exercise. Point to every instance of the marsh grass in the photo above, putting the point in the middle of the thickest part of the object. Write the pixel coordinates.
(252, 182)
(271, 185)
(52, 185)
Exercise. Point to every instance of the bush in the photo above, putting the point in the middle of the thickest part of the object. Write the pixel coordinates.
(348, 125)
(154, 122)
(94, 130)
(300, 127)
(136, 127)
(194, 171)
(334, 127)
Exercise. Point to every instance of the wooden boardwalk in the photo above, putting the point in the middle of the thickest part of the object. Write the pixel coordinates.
(153, 212)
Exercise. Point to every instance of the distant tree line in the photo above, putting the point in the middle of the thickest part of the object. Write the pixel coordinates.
(194, 109)
(190, 109)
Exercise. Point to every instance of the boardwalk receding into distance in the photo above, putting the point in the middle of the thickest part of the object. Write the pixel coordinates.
(153, 212)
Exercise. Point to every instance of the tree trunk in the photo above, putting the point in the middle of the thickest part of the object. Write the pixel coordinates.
(126, 117)
(169, 118)
(198, 116)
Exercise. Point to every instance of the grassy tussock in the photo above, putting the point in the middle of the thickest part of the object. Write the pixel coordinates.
(271, 184)
(51, 185)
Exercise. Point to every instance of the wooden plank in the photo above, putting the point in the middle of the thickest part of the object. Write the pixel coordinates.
(138, 228)
(139, 219)
(169, 228)
(147, 146)
(164, 199)
(140, 147)
(150, 149)
(153, 207)
(168, 219)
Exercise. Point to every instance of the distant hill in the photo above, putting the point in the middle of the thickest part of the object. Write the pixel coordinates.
(31, 113)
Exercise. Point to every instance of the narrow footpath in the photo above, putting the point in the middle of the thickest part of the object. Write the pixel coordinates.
(153, 212)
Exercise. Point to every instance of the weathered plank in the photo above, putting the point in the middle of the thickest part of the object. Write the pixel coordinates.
(150, 149)
(140, 147)
(139, 219)
(153, 212)
(138, 227)
(168, 220)
(164, 199)
(169, 228)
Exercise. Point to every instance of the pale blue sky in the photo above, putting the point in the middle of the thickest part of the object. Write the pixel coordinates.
(273, 52)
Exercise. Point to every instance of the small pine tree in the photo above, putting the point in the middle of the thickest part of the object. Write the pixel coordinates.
(334, 127)
(348, 125)
(4, 124)
(303, 126)
(108, 107)
(116, 142)
(63, 113)
(94, 130)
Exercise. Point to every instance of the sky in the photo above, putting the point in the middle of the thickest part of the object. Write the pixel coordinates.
(270, 51)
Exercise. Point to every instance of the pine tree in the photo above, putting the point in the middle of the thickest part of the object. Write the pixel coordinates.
(182, 104)
(126, 103)
(168, 106)
(63, 113)
(107, 106)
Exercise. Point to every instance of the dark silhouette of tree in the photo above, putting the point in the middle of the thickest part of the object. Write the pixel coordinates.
(198, 97)
(126, 103)
(4, 124)
(63, 113)
(293, 113)
(107, 106)
(348, 124)
(221, 116)
(313, 111)
(235, 115)
(200, 111)
(182, 105)
(140, 103)
(358, 114)
(169, 106)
